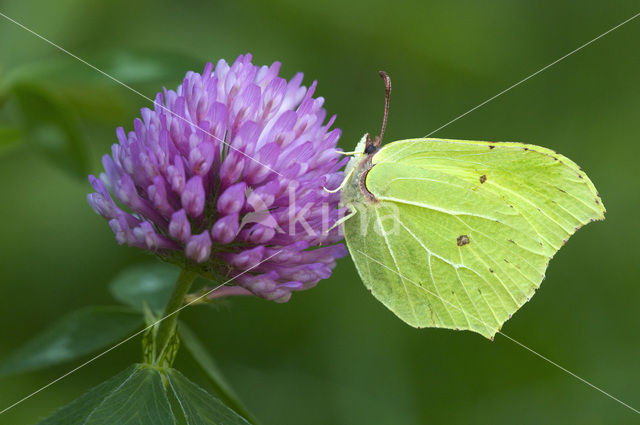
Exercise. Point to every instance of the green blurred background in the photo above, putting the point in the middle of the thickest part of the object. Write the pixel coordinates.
(334, 355)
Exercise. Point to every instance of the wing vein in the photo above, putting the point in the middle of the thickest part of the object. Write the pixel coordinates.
(473, 302)
(429, 255)
(504, 246)
(395, 262)
(530, 187)
(432, 207)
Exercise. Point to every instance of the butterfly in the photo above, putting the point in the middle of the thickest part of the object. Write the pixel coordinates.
(458, 234)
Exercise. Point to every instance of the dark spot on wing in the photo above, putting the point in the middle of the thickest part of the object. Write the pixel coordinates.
(462, 240)
(526, 149)
(491, 270)
(483, 178)
(491, 146)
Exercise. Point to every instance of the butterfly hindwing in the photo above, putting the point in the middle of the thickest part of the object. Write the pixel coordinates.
(462, 232)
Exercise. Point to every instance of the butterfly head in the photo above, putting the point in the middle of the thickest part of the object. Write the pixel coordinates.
(360, 163)
(370, 147)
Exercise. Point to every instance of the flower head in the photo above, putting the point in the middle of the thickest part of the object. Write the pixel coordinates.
(226, 175)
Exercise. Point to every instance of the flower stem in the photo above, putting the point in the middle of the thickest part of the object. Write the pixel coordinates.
(167, 327)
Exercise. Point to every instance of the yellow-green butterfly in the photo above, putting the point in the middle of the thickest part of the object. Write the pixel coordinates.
(458, 234)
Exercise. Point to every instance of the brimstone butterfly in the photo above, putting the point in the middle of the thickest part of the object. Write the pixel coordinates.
(458, 234)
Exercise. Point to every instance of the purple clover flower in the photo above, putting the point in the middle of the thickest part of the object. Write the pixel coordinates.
(226, 172)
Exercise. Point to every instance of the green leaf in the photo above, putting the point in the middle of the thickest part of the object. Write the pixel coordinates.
(98, 97)
(139, 400)
(200, 407)
(79, 409)
(51, 127)
(138, 66)
(220, 385)
(76, 334)
(135, 396)
(147, 283)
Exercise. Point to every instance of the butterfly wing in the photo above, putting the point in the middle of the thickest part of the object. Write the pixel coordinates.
(462, 232)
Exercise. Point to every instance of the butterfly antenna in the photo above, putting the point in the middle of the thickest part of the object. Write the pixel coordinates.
(387, 95)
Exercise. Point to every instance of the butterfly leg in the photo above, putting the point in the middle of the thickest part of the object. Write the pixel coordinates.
(347, 153)
(343, 219)
(342, 185)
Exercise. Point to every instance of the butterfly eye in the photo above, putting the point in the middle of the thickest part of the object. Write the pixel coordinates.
(370, 149)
